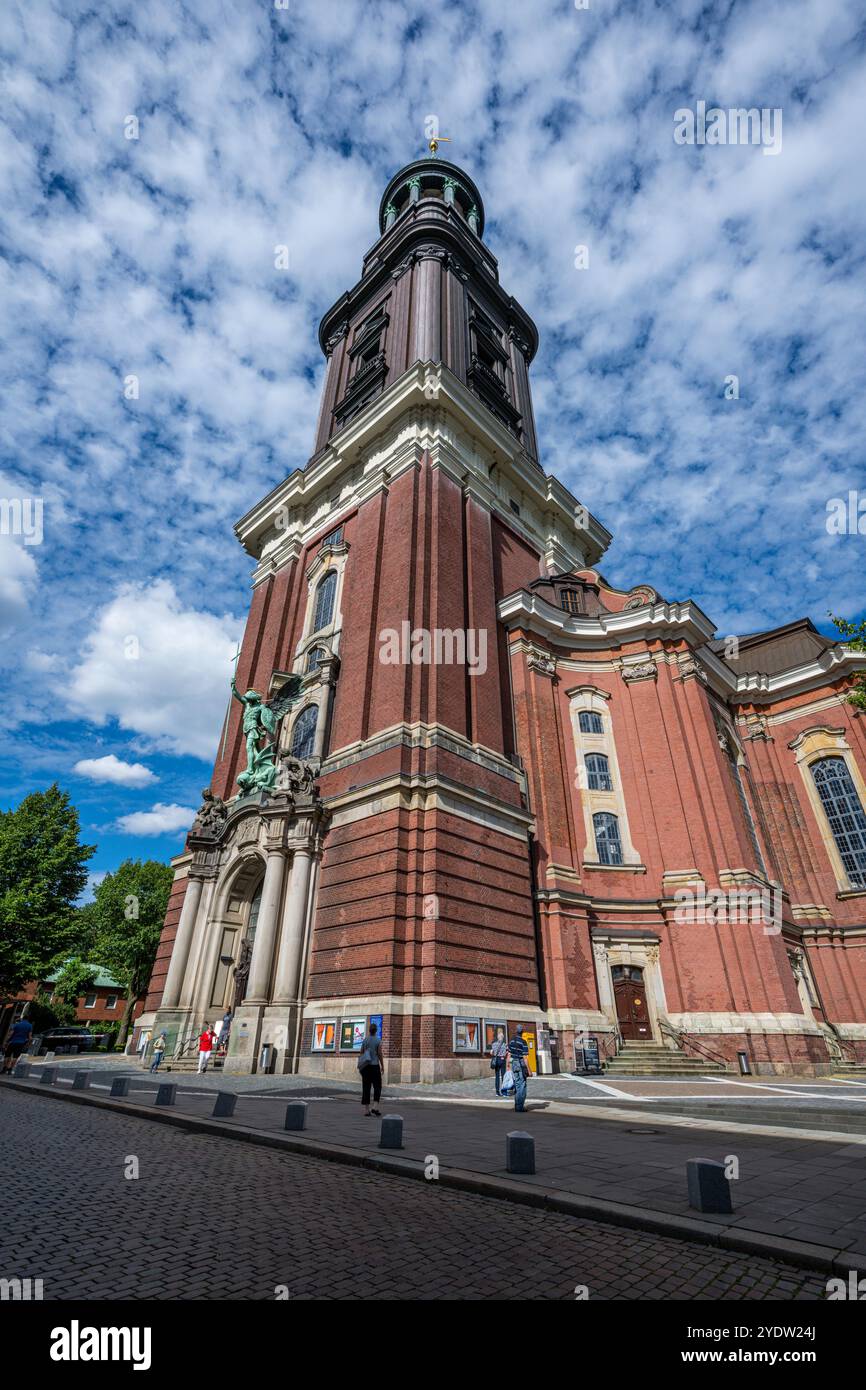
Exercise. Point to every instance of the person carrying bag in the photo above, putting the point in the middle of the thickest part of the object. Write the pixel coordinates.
(370, 1067)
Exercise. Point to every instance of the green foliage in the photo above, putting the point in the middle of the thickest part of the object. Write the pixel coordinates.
(42, 872)
(74, 978)
(855, 637)
(128, 914)
(43, 1014)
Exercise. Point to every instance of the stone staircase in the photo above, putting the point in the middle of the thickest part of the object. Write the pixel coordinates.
(654, 1059)
(855, 1071)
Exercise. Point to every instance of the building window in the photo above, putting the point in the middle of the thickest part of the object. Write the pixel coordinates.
(304, 732)
(333, 538)
(607, 841)
(111, 1001)
(315, 657)
(90, 1001)
(325, 593)
(590, 722)
(598, 773)
(845, 815)
(569, 599)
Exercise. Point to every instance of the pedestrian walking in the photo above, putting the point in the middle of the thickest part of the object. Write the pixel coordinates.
(158, 1052)
(370, 1067)
(16, 1043)
(497, 1058)
(205, 1047)
(518, 1052)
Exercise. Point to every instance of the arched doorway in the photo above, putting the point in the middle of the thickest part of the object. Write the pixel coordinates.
(236, 924)
(629, 992)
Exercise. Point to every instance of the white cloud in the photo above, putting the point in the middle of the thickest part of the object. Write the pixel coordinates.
(160, 669)
(160, 820)
(113, 769)
(17, 581)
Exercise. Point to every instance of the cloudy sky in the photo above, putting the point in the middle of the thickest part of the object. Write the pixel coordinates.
(260, 124)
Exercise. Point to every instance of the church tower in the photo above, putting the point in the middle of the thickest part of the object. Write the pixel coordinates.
(385, 868)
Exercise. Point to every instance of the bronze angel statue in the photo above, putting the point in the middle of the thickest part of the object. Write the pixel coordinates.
(261, 720)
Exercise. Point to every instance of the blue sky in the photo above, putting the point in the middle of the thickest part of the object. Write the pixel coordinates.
(261, 126)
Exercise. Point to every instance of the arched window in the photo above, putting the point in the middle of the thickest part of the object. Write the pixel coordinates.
(607, 841)
(304, 733)
(324, 612)
(598, 773)
(845, 815)
(590, 722)
(315, 657)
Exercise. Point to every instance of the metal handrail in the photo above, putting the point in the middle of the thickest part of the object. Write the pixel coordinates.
(685, 1041)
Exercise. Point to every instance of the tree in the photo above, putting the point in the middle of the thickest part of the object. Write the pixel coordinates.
(74, 978)
(855, 635)
(42, 872)
(127, 917)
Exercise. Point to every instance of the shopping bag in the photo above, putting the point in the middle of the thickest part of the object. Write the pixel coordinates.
(507, 1087)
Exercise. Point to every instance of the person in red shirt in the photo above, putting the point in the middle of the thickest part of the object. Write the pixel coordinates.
(205, 1046)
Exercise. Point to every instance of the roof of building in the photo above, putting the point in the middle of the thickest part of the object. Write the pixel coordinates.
(101, 979)
(776, 649)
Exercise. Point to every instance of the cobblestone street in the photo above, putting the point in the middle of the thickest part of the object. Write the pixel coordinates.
(211, 1218)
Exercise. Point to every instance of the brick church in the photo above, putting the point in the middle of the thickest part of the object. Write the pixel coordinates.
(490, 789)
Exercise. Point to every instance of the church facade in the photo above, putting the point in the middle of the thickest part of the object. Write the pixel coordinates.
(480, 787)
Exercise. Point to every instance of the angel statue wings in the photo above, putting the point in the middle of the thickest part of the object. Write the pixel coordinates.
(261, 720)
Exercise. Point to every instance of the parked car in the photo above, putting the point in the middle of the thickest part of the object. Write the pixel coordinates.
(62, 1040)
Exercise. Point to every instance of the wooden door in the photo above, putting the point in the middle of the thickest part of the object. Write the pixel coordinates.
(631, 1010)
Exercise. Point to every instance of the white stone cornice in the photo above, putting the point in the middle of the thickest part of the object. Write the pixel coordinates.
(427, 411)
(650, 622)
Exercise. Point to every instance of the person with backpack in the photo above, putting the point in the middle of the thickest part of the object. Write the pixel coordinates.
(518, 1052)
(497, 1059)
(370, 1067)
(17, 1042)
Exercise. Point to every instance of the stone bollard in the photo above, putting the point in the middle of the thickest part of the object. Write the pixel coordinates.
(296, 1114)
(119, 1087)
(224, 1105)
(519, 1152)
(48, 1076)
(22, 1070)
(391, 1133)
(81, 1081)
(166, 1093)
(709, 1189)
(48, 1057)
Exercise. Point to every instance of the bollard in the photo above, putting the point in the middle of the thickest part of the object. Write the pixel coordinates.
(519, 1152)
(224, 1105)
(49, 1075)
(119, 1087)
(296, 1115)
(166, 1093)
(709, 1189)
(81, 1081)
(391, 1133)
(22, 1070)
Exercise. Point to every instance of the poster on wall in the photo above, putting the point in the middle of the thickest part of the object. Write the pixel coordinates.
(325, 1035)
(377, 1019)
(492, 1029)
(352, 1032)
(467, 1035)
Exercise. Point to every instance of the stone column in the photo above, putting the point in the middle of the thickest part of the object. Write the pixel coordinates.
(266, 929)
(182, 942)
(428, 309)
(294, 923)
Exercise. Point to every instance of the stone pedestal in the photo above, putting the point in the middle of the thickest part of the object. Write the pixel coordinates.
(242, 1057)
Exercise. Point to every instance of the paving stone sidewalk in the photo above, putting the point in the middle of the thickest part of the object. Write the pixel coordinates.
(788, 1189)
(210, 1219)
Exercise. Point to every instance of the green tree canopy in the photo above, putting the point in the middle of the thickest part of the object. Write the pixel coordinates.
(127, 915)
(855, 635)
(42, 872)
